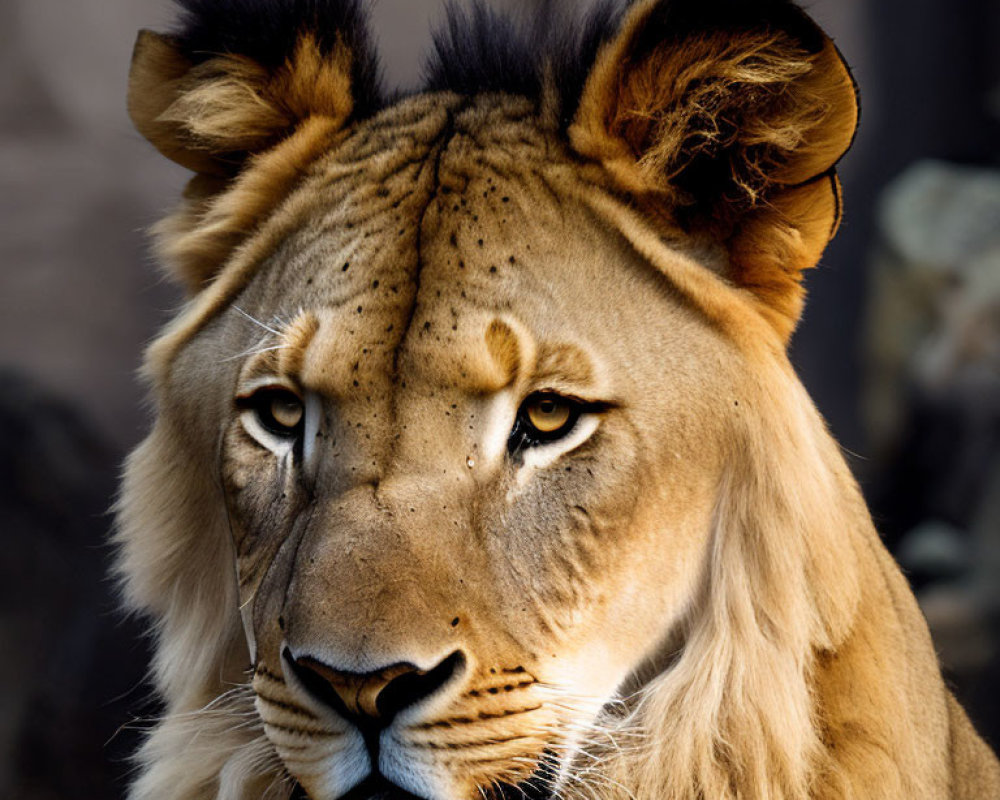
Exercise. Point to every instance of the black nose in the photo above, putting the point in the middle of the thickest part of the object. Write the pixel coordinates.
(372, 699)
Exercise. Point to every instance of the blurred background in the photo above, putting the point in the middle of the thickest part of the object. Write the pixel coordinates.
(900, 345)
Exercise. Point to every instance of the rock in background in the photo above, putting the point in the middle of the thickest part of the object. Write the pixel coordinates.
(932, 406)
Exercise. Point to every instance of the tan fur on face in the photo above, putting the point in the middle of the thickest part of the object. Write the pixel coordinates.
(197, 240)
(505, 351)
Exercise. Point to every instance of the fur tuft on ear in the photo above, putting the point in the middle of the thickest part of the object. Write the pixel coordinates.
(728, 116)
(246, 93)
(239, 75)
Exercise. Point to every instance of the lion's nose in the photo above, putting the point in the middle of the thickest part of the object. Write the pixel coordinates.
(372, 699)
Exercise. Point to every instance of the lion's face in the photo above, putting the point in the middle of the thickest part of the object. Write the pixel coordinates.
(461, 439)
(441, 457)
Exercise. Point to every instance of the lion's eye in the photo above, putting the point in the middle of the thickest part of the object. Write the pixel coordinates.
(279, 411)
(544, 417)
(548, 414)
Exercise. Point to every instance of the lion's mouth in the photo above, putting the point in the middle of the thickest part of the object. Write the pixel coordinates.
(528, 790)
(374, 788)
(538, 786)
(378, 788)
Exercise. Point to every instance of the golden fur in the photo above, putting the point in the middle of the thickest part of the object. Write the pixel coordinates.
(685, 600)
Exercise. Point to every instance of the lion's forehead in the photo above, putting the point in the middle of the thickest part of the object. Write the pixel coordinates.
(407, 262)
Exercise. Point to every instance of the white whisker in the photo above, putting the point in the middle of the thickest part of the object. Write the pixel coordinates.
(254, 352)
(256, 322)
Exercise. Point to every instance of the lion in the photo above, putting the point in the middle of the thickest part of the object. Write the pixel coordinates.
(479, 468)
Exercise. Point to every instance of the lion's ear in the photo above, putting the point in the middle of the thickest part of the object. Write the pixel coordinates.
(729, 116)
(234, 81)
(246, 94)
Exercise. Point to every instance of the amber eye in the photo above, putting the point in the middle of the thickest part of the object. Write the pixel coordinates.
(279, 411)
(548, 414)
(543, 417)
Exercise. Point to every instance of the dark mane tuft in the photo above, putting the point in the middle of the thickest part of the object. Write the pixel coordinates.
(267, 31)
(479, 50)
(476, 50)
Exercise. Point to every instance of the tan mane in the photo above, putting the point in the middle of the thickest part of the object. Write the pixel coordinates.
(737, 710)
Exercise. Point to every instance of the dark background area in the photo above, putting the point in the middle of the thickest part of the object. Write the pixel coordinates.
(899, 346)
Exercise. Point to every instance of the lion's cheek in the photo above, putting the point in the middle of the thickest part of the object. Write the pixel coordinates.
(652, 565)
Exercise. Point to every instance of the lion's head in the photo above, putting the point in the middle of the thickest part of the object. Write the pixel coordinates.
(478, 465)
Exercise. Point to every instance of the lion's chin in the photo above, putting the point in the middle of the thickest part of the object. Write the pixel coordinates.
(377, 788)
(374, 788)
